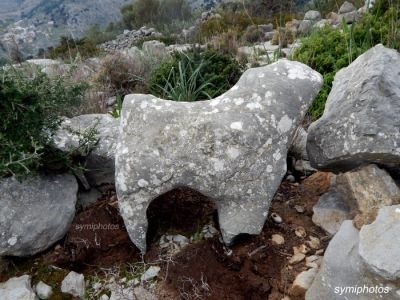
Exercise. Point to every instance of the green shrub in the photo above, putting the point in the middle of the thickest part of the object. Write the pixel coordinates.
(328, 50)
(200, 74)
(30, 111)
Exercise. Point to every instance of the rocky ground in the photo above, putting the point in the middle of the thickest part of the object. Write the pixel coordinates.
(258, 267)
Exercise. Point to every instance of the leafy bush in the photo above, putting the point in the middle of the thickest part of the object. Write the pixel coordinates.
(30, 113)
(195, 75)
(328, 50)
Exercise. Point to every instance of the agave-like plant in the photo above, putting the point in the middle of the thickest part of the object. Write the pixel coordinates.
(186, 82)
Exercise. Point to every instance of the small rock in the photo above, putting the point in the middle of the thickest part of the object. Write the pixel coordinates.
(276, 218)
(300, 232)
(300, 249)
(104, 297)
(295, 259)
(314, 243)
(278, 239)
(151, 273)
(347, 7)
(299, 209)
(303, 282)
(43, 290)
(181, 240)
(291, 178)
(74, 284)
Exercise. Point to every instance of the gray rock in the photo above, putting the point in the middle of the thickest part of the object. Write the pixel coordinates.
(43, 290)
(154, 48)
(343, 274)
(74, 284)
(350, 17)
(360, 122)
(347, 7)
(304, 167)
(265, 28)
(35, 213)
(241, 141)
(17, 288)
(111, 101)
(305, 27)
(331, 211)
(299, 144)
(312, 15)
(380, 243)
(99, 161)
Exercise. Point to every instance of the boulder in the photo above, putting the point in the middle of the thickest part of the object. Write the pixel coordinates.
(312, 15)
(35, 213)
(343, 274)
(266, 27)
(322, 23)
(350, 17)
(305, 27)
(360, 123)
(380, 244)
(154, 47)
(74, 284)
(367, 189)
(17, 288)
(241, 141)
(100, 160)
(347, 7)
(331, 211)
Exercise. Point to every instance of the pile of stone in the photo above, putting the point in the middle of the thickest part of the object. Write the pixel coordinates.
(357, 138)
(130, 38)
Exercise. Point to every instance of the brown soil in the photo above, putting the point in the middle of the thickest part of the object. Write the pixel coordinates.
(256, 268)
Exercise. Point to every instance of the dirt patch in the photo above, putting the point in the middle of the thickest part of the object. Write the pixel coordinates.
(97, 239)
(256, 268)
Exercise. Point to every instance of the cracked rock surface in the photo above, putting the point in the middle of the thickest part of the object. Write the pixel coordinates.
(232, 148)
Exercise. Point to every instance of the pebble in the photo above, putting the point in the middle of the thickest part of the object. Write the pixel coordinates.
(278, 239)
(276, 218)
(299, 209)
(314, 243)
(303, 282)
(297, 258)
(300, 249)
(291, 178)
(151, 273)
(300, 232)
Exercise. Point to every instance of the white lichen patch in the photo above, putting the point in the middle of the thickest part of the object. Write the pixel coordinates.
(237, 125)
(233, 152)
(142, 183)
(12, 241)
(285, 124)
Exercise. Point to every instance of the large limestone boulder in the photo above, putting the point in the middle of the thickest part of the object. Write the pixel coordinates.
(100, 161)
(360, 123)
(35, 213)
(343, 274)
(17, 288)
(380, 243)
(232, 148)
